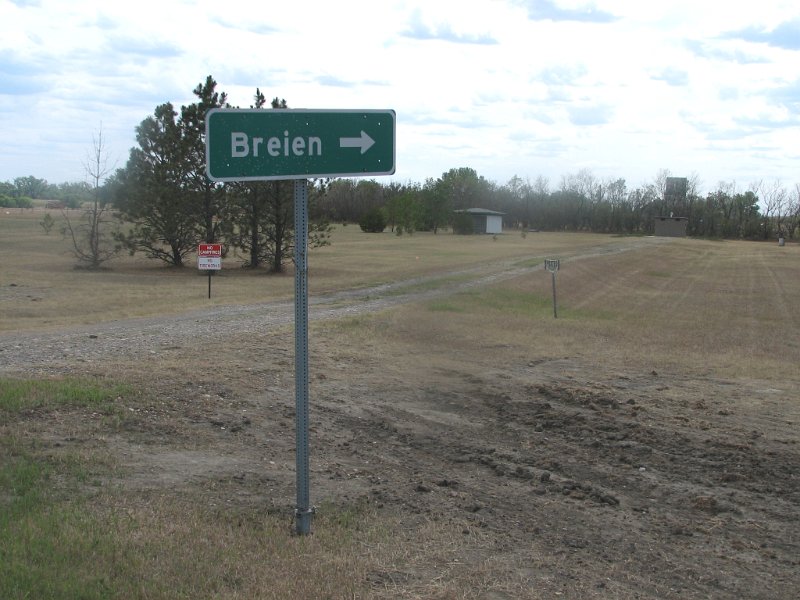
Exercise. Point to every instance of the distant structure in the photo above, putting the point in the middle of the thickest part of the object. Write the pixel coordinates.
(484, 220)
(675, 192)
(671, 226)
(675, 189)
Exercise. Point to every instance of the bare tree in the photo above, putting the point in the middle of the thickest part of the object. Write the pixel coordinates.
(91, 239)
(775, 203)
(793, 212)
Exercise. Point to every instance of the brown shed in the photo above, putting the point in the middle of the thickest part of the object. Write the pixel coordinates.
(671, 226)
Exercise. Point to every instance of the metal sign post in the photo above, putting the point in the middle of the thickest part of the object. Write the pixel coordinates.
(284, 144)
(209, 258)
(552, 265)
(303, 510)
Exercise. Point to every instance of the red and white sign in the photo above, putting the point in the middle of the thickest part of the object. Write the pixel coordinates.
(209, 257)
(209, 250)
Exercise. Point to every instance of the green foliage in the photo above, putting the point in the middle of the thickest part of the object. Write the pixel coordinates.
(259, 220)
(47, 223)
(30, 186)
(17, 395)
(165, 193)
(437, 206)
(464, 188)
(50, 544)
(404, 211)
(151, 192)
(72, 194)
(206, 195)
(463, 224)
(164, 190)
(15, 202)
(723, 214)
(373, 221)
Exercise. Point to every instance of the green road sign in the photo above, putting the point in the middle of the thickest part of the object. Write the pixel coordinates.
(262, 144)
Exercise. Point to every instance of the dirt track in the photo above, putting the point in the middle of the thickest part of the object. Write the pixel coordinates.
(556, 476)
(50, 349)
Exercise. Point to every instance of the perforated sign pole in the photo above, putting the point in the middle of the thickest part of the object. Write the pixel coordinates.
(281, 144)
(303, 510)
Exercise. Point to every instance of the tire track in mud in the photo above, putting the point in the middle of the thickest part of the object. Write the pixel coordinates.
(581, 445)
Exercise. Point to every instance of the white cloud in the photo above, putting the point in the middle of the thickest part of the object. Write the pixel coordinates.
(507, 87)
(784, 35)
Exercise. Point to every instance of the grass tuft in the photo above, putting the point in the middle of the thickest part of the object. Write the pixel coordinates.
(47, 546)
(18, 395)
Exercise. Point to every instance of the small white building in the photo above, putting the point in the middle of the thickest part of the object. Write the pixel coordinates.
(484, 220)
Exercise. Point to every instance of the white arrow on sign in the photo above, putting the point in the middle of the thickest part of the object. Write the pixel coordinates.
(364, 142)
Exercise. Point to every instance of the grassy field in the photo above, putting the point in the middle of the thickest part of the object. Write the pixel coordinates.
(41, 288)
(64, 534)
(467, 445)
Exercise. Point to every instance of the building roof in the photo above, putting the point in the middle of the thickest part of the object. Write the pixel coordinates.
(481, 211)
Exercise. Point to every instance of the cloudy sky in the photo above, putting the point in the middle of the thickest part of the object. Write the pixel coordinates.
(623, 88)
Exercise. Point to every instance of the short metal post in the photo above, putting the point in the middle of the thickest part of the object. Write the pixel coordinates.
(209, 285)
(553, 265)
(303, 510)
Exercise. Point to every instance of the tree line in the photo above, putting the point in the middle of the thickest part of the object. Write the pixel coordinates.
(22, 191)
(170, 205)
(164, 203)
(580, 202)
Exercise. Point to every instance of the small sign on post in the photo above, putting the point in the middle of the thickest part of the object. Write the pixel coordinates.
(552, 265)
(209, 258)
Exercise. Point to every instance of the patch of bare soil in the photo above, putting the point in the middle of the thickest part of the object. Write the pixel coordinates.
(558, 477)
(636, 484)
(631, 485)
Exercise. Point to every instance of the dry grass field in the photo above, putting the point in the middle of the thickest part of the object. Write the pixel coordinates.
(40, 287)
(464, 443)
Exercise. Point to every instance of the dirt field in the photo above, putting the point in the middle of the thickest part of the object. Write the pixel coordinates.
(643, 445)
